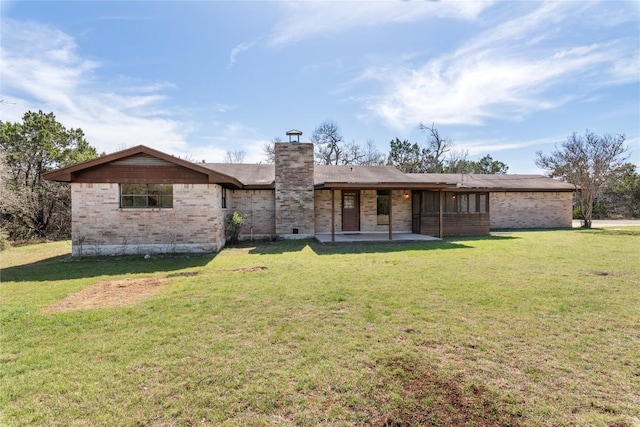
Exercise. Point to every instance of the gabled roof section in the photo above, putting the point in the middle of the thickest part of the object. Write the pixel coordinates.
(138, 156)
(493, 182)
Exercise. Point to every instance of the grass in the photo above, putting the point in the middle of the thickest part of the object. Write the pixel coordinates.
(522, 328)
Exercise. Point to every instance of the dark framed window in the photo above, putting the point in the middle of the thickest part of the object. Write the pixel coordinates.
(383, 200)
(146, 195)
(224, 198)
(466, 202)
(455, 202)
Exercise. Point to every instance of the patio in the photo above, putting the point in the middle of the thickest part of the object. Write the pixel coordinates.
(374, 237)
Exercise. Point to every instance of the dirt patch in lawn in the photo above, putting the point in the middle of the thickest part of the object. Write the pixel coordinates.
(109, 294)
(432, 397)
(250, 269)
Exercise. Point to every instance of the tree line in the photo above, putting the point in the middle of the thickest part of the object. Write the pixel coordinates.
(438, 155)
(33, 208)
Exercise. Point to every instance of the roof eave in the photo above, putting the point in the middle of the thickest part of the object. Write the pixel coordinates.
(66, 174)
(381, 185)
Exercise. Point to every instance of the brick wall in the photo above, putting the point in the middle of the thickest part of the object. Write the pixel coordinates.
(455, 224)
(257, 207)
(401, 212)
(530, 209)
(100, 226)
(294, 211)
(322, 211)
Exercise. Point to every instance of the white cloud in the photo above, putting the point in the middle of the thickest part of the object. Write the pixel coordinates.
(242, 47)
(495, 76)
(232, 135)
(42, 70)
(483, 146)
(302, 20)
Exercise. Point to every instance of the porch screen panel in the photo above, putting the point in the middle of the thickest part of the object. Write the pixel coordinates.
(430, 201)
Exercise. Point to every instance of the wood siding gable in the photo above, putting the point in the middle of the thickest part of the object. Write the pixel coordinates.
(140, 165)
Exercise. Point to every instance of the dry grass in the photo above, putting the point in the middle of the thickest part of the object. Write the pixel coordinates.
(109, 294)
(530, 329)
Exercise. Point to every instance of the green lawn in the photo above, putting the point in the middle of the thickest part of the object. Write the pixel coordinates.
(534, 328)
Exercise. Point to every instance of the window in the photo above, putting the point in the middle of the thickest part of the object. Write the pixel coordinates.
(146, 195)
(384, 199)
(455, 202)
(466, 202)
(224, 198)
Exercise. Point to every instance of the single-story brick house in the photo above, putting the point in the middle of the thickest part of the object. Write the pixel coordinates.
(141, 200)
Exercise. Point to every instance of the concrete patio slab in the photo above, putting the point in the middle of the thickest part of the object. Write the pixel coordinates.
(374, 237)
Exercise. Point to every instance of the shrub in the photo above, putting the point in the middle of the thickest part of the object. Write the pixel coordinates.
(4, 240)
(234, 223)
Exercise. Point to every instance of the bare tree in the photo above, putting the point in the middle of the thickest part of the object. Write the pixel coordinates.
(589, 162)
(436, 149)
(458, 162)
(371, 155)
(269, 151)
(235, 156)
(329, 143)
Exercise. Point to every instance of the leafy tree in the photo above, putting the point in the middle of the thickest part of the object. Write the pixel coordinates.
(30, 206)
(405, 156)
(458, 163)
(412, 158)
(621, 197)
(487, 165)
(589, 162)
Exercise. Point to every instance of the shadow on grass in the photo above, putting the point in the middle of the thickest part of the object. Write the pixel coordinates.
(288, 246)
(65, 267)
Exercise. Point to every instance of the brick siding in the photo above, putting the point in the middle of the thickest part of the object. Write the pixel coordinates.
(530, 209)
(101, 227)
(400, 212)
(294, 211)
(257, 207)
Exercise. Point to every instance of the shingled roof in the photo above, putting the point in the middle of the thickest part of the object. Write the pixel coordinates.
(331, 176)
(262, 176)
(496, 182)
(254, 176)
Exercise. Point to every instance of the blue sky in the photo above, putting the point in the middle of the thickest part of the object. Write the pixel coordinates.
(196, 79)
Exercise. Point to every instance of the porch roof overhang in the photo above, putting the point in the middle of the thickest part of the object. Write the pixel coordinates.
(382, 186)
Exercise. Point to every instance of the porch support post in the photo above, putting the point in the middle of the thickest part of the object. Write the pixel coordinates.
(390, 214)
(441, 216)
(333, 215)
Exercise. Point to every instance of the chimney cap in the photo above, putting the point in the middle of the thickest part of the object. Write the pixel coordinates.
(294, 136)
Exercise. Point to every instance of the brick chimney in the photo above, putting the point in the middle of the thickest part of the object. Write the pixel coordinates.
(294, 188)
